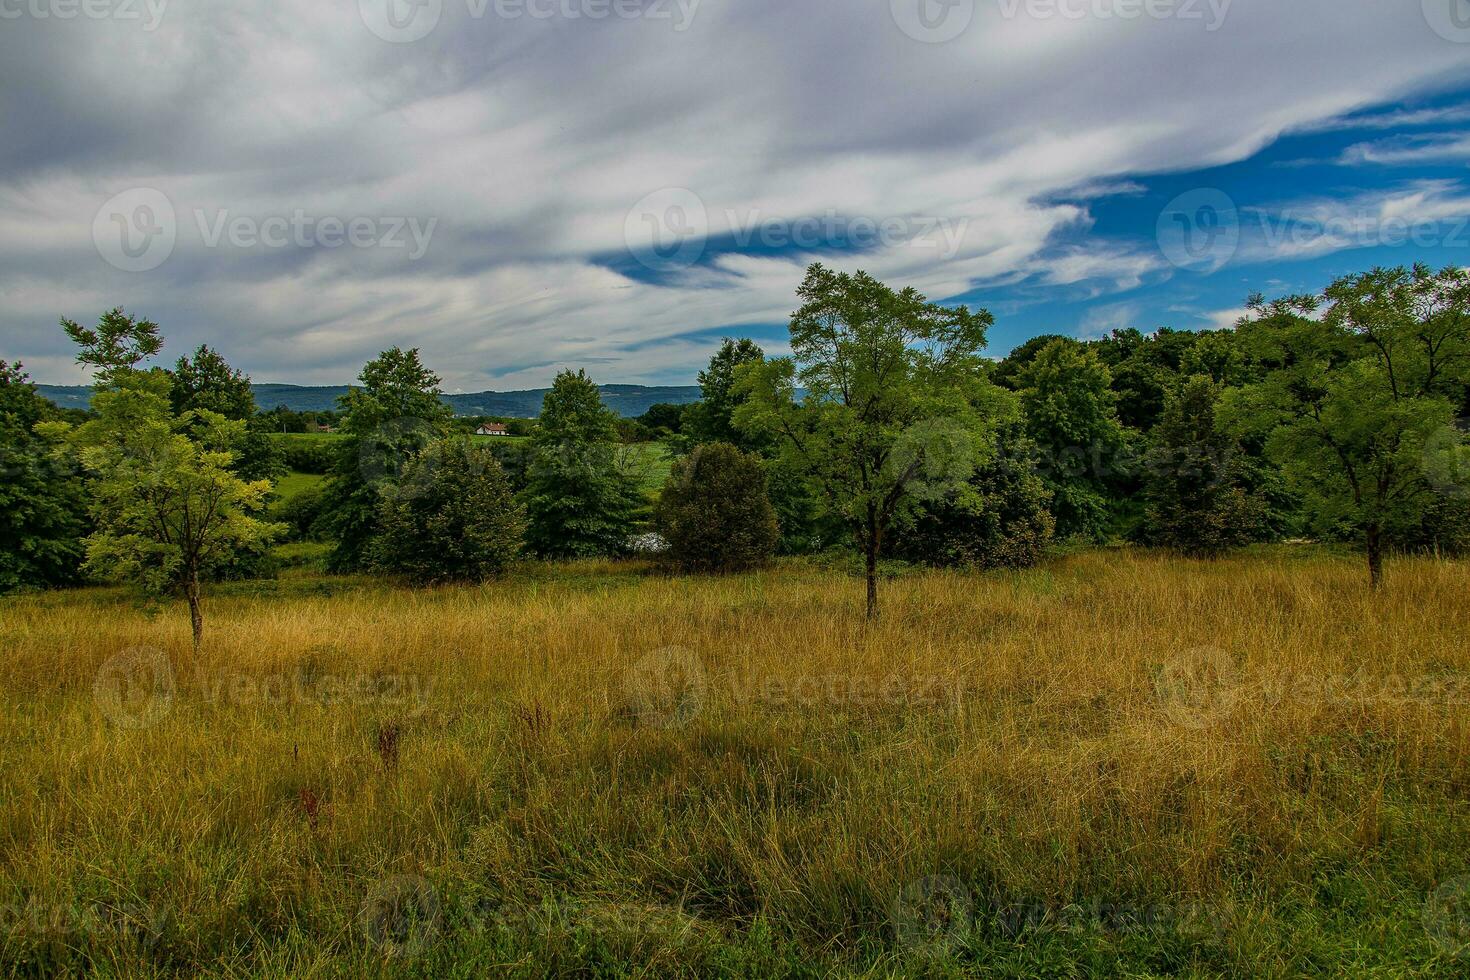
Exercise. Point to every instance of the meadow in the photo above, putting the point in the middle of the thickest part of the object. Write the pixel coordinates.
(1117, 763)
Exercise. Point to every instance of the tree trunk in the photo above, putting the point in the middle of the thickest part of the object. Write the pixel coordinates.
(872, 581)
(196, 614)
(1375, 556)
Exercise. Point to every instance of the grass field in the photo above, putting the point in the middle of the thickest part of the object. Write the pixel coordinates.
(1118, 764)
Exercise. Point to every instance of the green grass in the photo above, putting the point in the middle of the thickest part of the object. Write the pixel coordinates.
(599, 769)
(294, 484)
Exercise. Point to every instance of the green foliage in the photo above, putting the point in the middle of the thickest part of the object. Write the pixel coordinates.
(897, 407)
(712, 419)
(1358, 399)
(394, 416)
(582, 494)
(42, 506)
(664, 420)
(168, 507)
(1199, 501)
(118, 343)
(451, 517)
(714, 511)
(208, 383)
(999, 519)
(1071, 415)
(316, 455)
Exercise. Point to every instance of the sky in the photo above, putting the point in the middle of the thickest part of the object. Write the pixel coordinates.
(518, 187)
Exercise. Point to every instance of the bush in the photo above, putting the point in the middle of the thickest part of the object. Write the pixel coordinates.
(714, 511)
(308, 454)
(451, 517)
(1002, 519)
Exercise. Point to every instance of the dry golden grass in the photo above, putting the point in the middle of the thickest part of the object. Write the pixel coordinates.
(1163, 766)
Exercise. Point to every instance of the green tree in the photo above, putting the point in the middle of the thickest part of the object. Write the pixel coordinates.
(1071, 415)
(999, 519)
(714, 511)
(167, 506)
(1357, 404)
(42, 505)
(451, 517)
(581, 495)
(394, 415)
(207, 382)
(897, 405)
(711, 419)
(1196, 483)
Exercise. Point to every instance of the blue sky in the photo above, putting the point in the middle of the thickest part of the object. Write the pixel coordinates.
(521, 188)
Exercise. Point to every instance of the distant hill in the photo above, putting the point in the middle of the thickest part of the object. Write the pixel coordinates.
(628, 401)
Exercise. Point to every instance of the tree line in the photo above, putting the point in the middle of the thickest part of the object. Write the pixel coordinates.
(886, 433)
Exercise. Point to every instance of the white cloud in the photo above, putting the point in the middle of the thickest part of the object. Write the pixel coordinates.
(530, 140)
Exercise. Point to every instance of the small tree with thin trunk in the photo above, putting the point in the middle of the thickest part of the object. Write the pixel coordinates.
(897, 407)
(1357, 399)
(168, 507)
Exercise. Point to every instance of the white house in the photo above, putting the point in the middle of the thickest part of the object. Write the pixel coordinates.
(493, 429)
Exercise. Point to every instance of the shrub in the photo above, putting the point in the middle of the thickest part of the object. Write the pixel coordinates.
(451, 517)
(714, 511)
(1002, 518)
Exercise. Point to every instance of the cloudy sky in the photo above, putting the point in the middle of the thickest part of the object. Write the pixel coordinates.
(519, 186)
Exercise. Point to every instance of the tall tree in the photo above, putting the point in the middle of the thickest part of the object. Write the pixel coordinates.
(167, 506)
(207, 382)
(1358, 399)
(394, 415)
(42, 506)
(711, 419)
(897, 404)
(581, 493)
(1071, 414)
(1199, 501)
